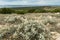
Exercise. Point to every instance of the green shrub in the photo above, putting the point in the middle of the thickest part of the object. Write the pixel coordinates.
(40, 11)
(20, 12)
(31, 10)
(7, 11)
(56, 10)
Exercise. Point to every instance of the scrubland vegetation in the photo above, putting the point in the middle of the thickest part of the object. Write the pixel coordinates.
(25, 10)
(39, 23)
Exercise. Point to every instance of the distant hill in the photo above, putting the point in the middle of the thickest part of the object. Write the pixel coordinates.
(17, 6)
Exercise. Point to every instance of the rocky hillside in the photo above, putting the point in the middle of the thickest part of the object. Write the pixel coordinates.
(31, 26)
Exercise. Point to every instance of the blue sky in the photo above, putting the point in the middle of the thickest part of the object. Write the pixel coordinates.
(29, 2)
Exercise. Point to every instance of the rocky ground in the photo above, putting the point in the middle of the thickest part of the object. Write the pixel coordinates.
(31, 26)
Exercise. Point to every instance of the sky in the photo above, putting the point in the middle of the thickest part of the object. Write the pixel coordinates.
(29, 2)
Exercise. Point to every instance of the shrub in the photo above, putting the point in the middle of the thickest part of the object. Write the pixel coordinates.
(21, 12)
(24, 29)
(6, 11)
(31, 10)
(56, 10)
(40, 11)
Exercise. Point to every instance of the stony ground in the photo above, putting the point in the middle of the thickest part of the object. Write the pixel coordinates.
(31, 26)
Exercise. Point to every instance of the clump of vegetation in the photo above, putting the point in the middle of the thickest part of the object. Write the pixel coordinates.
(6, 11)
(31, 10)
(21, 12)
(25, 30)
(56, 10)
(40, 11)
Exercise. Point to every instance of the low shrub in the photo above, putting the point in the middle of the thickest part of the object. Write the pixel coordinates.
(20, 12)
(7, 11)
(56, 10)
(31, 10)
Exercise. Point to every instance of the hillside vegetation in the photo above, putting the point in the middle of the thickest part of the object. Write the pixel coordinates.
(43, 9)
